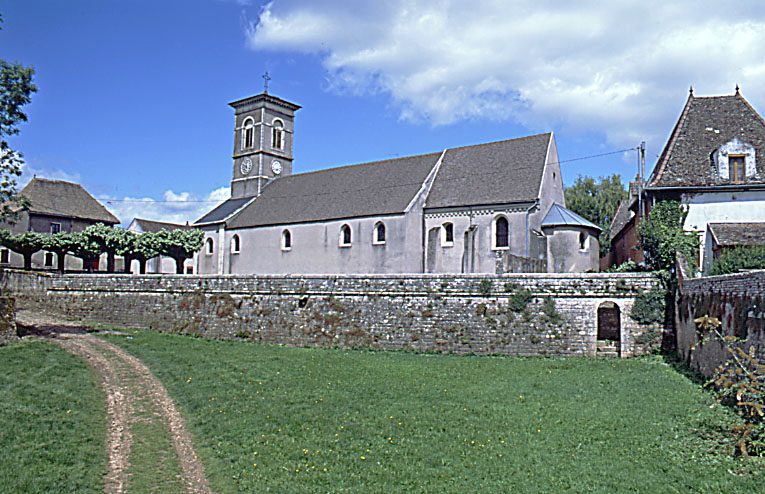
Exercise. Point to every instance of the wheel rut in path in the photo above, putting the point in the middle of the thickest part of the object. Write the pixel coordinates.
(133, 395)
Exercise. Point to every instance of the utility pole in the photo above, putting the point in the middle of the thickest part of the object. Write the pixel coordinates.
(641, 182)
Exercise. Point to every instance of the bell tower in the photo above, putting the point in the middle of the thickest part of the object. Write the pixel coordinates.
(263, 130)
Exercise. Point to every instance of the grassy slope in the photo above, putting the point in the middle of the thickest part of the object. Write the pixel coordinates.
(52, 421)
(301, 420)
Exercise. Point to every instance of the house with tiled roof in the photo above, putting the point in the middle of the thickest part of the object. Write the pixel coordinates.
(472, 209)
(712, 163)
(723, 236)
(54, 206)
(159, 264)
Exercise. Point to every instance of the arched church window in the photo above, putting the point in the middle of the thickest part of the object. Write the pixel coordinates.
(277, 135)
(378, 234)
(345, 236)
(501, 233)
(286, 240)
(209, 246)
(235, 244)
(248, 134)
(582, 241)
(447, 235)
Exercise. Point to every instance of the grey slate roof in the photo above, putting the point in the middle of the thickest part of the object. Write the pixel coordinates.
(620, 219)
(493, 173)
(68, 199)
(730, 234)
(686, 161)
(557, 215)
(224, 210)
(378, 188)
(155, 226)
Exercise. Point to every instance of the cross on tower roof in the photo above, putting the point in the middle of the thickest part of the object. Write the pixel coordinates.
(265, 82)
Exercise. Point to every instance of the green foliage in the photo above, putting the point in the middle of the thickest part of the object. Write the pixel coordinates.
(109, 240)
(16, 90)
(52, 421)
(662, 236)
(519, 300)
(26, 244)
(549, 309)
(596, 201)
(740, 257)
(444, 423)
(179, 244)
(484, 287)
(740, 384)
(627, 267)
(650, 307)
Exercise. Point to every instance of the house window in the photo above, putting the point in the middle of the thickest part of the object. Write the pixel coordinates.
(189, 270)
(286, 240)
(235, 244)
(501, 230)
(447, 235)
(5, 256)
(209, 247)
(248, 134)
(277, 135)
(49, 259)
(736, 164)
(345, 236)
(55, 228)
(378, 236)
(582, 241)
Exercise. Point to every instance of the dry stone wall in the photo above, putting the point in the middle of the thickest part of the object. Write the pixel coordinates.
(736, 300)
(503, 314)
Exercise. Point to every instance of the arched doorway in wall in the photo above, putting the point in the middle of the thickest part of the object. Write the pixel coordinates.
(609, 330)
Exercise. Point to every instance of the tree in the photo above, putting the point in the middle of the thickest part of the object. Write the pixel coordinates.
(144, 247)
(662, 236)
(61, 244)
(26, 244)
(596, 201)
(110, 240)
(180, 245)
(16, 89)
(85, 248)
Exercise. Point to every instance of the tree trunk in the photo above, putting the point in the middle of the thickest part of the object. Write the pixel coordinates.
(28, 260)
(61, 258)
(128, 261)
(110, 262)
(179, 264)
(142, 266)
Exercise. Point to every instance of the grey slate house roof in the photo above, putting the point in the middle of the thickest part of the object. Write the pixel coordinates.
(494, 173)
(155, 226)
(65, 199)
(731, 234)
(560, 216)
(705, 124)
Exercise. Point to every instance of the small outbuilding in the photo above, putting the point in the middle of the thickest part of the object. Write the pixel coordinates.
(572, 241)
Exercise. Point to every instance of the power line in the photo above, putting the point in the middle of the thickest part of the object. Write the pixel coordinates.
(375, 187)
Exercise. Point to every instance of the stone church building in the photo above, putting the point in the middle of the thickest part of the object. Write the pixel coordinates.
(488, 208)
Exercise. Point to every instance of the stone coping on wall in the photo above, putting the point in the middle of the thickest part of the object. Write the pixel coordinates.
(751, 283)
(594, 285)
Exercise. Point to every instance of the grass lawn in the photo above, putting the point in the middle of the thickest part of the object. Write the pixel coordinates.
(52, 421)
(303, 420)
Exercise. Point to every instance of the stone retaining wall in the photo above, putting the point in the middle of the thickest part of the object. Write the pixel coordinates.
(736, 300)
(440, 313)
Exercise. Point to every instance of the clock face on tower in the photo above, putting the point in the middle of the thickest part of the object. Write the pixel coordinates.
(246, 166)
(276, 167)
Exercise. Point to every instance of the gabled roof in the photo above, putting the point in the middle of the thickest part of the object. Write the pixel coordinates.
(155, 226)
(493, 173)
(379, 188)
(621, 218)
(705, 124)
(59, 198)
(557, 215)
(730, 234)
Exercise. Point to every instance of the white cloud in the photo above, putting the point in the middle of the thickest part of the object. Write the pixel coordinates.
(172, 208)
(29, 171)
(621, 68)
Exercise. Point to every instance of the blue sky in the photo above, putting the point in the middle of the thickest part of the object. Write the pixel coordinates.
(133, 94)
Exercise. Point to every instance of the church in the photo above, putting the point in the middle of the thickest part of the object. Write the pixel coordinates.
(489, 208)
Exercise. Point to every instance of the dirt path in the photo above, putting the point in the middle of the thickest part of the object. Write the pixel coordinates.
(133, 395)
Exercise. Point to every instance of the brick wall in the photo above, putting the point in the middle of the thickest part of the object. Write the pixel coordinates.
(734, 299)
(446, 313)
